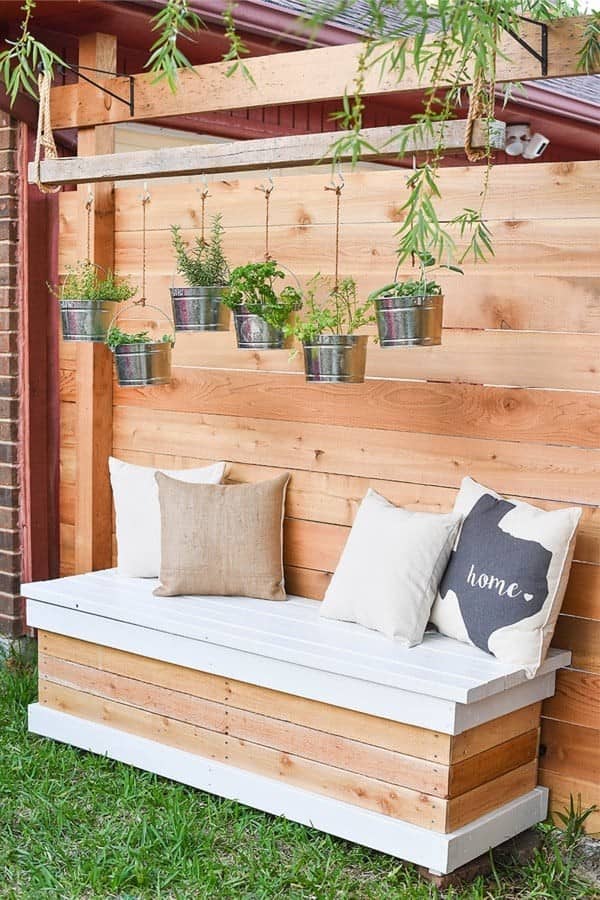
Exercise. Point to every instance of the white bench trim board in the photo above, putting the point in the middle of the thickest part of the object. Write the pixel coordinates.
(441, 685)
(288, 647)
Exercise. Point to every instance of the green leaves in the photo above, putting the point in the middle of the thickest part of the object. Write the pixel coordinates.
(87, 281)
(253, 286)
(173, 21)
(117, 338)
(330, 309)
(237, 48)
(24, 58)
(589, 55)
(204, 264)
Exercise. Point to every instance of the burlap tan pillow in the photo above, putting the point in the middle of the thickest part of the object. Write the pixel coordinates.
(222, 539)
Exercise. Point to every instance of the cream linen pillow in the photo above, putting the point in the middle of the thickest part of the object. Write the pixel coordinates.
(507, 575)
(223, 540)
(390, 569)
(137, 512)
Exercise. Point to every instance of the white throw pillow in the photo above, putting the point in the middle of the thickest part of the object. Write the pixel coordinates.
(390, 569)
(507, 575)
(137, 512)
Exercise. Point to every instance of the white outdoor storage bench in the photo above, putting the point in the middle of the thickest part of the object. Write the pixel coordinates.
(429, 754)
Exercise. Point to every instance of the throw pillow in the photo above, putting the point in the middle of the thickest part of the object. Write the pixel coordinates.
(507, 575)
(390, 569)
(224, 540)
(137, 512)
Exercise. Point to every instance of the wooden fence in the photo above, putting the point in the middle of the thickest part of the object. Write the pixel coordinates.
(511, 398)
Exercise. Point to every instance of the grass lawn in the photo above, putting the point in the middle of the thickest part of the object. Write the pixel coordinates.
(73, 825)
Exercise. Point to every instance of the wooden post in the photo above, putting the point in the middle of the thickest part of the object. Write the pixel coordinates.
(93, 518)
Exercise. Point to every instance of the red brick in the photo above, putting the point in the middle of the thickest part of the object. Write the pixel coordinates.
(9, 208)
(9, 230)
(10, 605)
(8, 138)
(9, 318)
(10, 563)
(9, 479)
(8, 161)
(9, 431)
(9, 343)
(9, 364)
(10, 540)
(10, 582)
(8, 251)
(9, 453)
(9, 295)
(6, 120)
(9, 518)
(13, 626)
(8, 180)
(9, 386)
(9, 407)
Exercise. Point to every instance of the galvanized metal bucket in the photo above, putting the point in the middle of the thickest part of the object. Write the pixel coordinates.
(142, 365)
(253, 333)
(199, 309)
(85, 320)
(409, 321)
(336, 358)
(147, 364)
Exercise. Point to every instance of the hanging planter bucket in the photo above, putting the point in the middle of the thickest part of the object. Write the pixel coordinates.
(199, 309)
(254, 333)
(336, 358)
(86, 320)
(144, 364)
(410, 321)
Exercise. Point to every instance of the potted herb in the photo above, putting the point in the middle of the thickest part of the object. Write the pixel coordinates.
(140, 360)
(199, 307)
(260, 311)
(332, 350)
(87, 300)
(409, 313)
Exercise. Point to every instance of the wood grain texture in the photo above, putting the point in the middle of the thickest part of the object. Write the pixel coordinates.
(411, 806)
(571, 750)
(577, 698)
(582, 637)
(585, 794)
(296, 77)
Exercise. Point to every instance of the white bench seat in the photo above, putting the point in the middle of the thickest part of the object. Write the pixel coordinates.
(441, 686)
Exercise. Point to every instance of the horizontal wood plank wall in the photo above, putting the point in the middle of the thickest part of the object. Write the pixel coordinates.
(512, 397)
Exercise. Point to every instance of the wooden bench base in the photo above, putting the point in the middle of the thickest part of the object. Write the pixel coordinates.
(429, 754)
(438, 852)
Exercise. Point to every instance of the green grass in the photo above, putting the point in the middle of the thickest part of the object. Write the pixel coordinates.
(74, 825)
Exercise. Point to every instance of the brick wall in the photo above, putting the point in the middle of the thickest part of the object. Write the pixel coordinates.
(11, 606)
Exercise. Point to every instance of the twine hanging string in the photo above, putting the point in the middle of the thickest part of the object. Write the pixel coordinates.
(481, 106)
(44, 138)
(204, 194)
(145, 197)
(267, 190)
(338, 187)
(89, 204)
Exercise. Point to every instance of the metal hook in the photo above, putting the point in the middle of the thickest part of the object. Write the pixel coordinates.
(145, 196)
(89, 202)
(266, 189)
(204, 192)
(337, 182)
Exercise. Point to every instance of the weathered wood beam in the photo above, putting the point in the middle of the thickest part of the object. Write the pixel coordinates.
(297, 150)
(296, 77)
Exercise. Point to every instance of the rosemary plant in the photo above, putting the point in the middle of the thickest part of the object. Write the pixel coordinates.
(204, 264)
(330, 309)
(86, 281)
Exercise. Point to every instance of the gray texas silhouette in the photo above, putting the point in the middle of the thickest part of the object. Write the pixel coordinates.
(498, 579)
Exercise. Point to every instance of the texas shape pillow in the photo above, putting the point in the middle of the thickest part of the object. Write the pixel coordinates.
(389, 571)
(507, 575)
(137, 512)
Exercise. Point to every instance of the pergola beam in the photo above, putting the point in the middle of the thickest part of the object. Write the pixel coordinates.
(296, 77)
(278, 152)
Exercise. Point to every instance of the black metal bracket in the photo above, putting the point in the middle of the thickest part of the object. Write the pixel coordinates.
(130, 101)
(542, 55)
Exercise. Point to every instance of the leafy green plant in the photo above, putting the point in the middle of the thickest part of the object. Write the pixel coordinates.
(204, 263)
(116, 338)
(254, 286)
(415, 287)
(87, 281)
(20, 61)
(330, 309)
(175, 20)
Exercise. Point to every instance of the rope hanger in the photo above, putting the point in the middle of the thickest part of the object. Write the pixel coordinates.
(267, 190)
(145, 199)
(338, 187)
(89, 205)
(44, 139)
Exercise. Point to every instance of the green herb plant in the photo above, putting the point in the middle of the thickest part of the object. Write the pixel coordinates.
(415, 287)
(87, 281)
(204, 263)
(117, 338)
(255, 287)
(330, 309)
